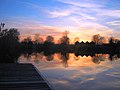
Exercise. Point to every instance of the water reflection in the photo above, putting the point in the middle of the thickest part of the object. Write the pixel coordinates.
(98, 58)
(77, 72)
(65, 58)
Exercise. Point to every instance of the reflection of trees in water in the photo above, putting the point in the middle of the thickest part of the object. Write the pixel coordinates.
(41, 55)
(36, 57)
(49, 57)
(76, 57)
(98, 58)
(11, 48)
(36, 61)
(27, 56)
(61, 56)
(101, 57)
(81, 53)
(114, 57)
(65, 58)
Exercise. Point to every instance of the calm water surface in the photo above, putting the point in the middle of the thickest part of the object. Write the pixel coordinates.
(69, 72)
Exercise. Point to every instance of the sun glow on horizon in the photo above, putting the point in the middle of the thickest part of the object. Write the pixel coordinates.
(82, 18)
(85, 37)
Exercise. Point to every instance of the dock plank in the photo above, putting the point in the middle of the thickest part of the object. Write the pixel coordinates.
(21, 77)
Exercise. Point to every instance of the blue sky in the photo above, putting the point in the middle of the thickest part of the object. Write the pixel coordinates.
(82, 18)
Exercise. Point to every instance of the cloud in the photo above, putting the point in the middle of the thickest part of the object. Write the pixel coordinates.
(80, 3)
(82, 18)
(88, 9)
(42, 30)
(31, 26)
(62, 12)
(114, 23)
(85, 18)
(71, 10)
(55, 14)
(108, 13)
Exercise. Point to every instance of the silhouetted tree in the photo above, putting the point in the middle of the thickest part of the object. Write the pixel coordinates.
(48, 44)
(9, 43)
(38, 39)
(1, 26)
(10, 37)
(113, 40)
(98, 39)
(27, 40)
(27, 43)
(65, 38)
(49, 57)
(49, 39)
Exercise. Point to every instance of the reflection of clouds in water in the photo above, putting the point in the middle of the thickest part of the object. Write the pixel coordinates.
(80, 77)
(64, 82)
(85, 80)
(69, 84)
(85, 65)
(81, 74)
(114, 74)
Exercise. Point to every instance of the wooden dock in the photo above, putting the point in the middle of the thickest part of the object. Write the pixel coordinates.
(21, 77)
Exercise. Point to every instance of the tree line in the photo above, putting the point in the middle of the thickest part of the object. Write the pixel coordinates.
(11, 47)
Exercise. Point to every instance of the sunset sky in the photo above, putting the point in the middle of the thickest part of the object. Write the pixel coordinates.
(82, 18)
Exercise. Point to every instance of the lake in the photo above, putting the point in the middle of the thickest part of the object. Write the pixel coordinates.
(69, 72)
